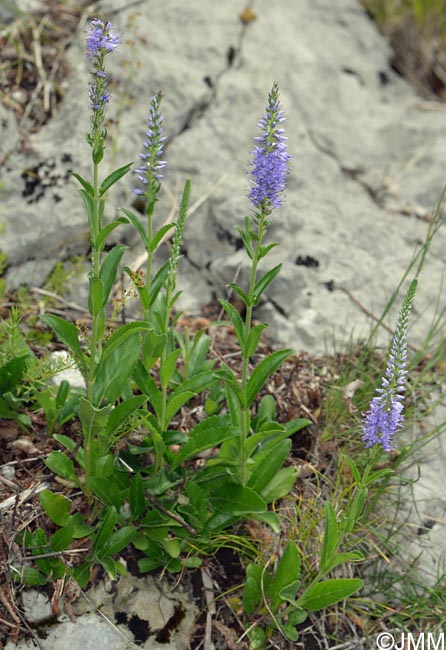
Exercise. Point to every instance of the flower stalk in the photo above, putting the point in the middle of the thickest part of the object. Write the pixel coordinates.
(269, 169)
(385, 415)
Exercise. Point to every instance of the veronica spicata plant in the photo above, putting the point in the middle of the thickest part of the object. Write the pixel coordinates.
(107, 364)
(248, 468)
(274, 592)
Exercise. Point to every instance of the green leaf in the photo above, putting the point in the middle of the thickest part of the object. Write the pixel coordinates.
(264, 250)
(288, 593)
(156, 239)
(207, 434)
(254, 337)
(118, 540)
(94, 420)
(88, 202)
(326, 593)
(122, 412)
(266, 412)
(354, 469)
(56, 506)
(109, 269)
(331, 537)
(281, 484)
(80, 529)
(236, 321)
(68, 334)
(265, 281)
(152, 348)
(95, 296)
(289, 631)
(62, 393)
(147, 385)
(288, 572)
(267, 367)
(157, 282)
(11, 373)
(297, 615)
(268, 464)
(296, 425)
(237, 500)
(172, 546)
(252, 592)
(185, 391)
(115, 369)
(105, 529)
(270, 519)
(257, 637)
(354, 511)
(106, 230)
(377, 476)
(31, 576)
(168, 367)
(121, 334)
(107, 491)
(58, 463)
(238, 290)
(135, 220)
(246, 238)
(61, 539)
(88, 187)
(340, 558)
(110, 566)
(227, 375)
(137, 498)
(71, 445)
(113, 178)
(103, 466)
(176, 402)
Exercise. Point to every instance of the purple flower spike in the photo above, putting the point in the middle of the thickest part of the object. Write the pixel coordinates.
(149, 173)
(269, 161)
(385, 415)
(100, 40)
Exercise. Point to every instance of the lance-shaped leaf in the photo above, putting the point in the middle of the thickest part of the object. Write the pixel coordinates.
(331, 537)
(68, 334)
(267, 367)
(109, 269)
(114, 371)
(88, 187)
(113, 178)
(106, 230)
(236, 321)
(326, 593)
(136, 221)
(265, 281)
(207, 434)
(235, 499)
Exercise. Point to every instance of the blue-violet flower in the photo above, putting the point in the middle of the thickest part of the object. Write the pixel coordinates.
(385, 415)
(149, 173)
(269, 161)
(100, 42)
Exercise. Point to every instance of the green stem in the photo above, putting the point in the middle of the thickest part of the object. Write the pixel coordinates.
(94, 339)
(150, 206)
(245, 414)
(95, 261)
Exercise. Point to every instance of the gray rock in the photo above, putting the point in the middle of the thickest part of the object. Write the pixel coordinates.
(66, 370)
(130, 613)
(367, 160)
